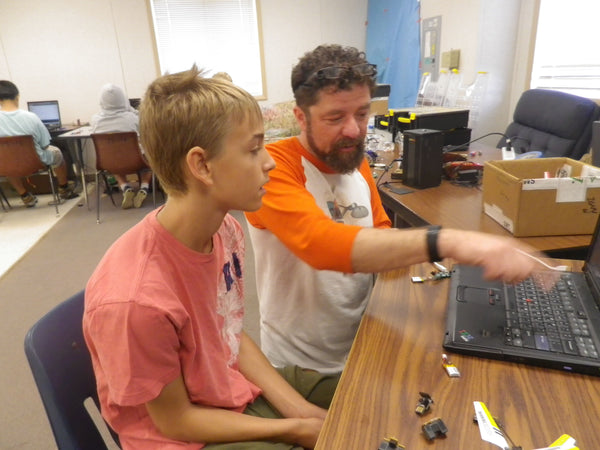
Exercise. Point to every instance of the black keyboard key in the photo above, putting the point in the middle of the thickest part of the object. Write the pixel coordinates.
(528, 339)
(541, 342)
(570, 347)
(555, 345)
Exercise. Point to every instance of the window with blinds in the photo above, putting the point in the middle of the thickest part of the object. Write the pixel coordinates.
(566, 55)
(216, 35)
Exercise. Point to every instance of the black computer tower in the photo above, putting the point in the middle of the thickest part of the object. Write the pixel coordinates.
(422, 158)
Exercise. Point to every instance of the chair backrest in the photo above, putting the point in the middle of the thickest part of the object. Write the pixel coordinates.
(63, 372)
(18, 157)
(553, 122)
(118, 152)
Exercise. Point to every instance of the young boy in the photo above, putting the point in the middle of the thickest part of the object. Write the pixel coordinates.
(163, 311)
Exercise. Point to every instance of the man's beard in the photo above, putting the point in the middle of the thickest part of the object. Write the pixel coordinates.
(341, 162)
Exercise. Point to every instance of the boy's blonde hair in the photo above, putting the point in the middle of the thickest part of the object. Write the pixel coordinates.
(185, 110)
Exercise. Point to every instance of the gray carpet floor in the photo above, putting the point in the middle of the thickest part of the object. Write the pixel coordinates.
(58, 266)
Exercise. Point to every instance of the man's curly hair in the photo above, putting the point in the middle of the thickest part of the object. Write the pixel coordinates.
(306, 94)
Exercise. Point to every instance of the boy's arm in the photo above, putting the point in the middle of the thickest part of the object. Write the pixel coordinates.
(255, 366)
(177, 418)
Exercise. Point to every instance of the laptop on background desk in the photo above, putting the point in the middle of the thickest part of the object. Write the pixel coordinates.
(558, 328)
(49, 113)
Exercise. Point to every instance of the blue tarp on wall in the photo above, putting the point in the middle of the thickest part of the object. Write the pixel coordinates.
(393, 43)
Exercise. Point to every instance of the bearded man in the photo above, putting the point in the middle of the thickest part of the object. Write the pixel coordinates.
(322, 232)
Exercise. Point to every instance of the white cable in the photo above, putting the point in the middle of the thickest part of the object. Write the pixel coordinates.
(557, 268)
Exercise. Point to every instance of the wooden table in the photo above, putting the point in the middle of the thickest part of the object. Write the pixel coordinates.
(456, 206)
(397, 353)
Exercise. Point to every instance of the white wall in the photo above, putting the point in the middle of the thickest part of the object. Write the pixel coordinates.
(67, 49)
(292, 27)
(494, 36)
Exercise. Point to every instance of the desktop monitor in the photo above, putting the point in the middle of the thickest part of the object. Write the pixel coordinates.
(47, 111)
(596, 143)
(134, 103)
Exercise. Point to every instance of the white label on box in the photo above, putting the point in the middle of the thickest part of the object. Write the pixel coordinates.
(571, 190)
(539, 184)
(567, 189)
(590, 171)
(496, 213)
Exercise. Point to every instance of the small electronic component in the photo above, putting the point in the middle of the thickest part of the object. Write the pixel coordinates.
(435, 428)
(390, 444)
(463, 171)
(424, 403)
(451, 369)
(440, 273)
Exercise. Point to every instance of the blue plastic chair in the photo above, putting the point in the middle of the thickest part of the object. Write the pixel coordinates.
(62, 369)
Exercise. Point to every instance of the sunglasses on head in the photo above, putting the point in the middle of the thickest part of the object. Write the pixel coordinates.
(337, 72)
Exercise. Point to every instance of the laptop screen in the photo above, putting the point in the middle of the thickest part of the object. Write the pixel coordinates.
(135, 103)
(592, 263)
(47, 111)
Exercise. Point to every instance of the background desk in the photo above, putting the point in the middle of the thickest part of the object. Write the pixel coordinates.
(64, 148)
(397, 353)
(76, 136)
(454, 206)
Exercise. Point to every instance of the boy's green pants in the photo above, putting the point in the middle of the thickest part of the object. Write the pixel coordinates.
(313, 386)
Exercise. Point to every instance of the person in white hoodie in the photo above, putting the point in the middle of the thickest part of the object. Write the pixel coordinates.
(116, 115)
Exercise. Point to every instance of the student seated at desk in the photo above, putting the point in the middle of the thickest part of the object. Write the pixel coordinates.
(116, 115)
(173, 366)
(17, 122)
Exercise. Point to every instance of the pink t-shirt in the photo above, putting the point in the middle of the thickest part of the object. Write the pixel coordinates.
(155, 309)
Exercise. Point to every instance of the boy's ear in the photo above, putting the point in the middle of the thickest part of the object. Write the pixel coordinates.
(300, 117)
(197, 163)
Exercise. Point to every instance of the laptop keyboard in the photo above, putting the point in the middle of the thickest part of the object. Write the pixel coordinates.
(550, 320)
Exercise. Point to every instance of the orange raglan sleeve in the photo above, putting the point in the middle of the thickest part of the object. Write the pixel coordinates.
(291, 213)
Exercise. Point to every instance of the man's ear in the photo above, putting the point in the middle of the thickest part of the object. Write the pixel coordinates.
(197, 164)
(300, 117)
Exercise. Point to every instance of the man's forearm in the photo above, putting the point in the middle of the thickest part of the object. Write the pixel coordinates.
(379, 250)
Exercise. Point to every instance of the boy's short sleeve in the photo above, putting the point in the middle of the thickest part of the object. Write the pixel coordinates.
(137, 350)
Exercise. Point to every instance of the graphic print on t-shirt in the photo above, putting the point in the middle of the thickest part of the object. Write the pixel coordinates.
(338, 211)
(230, 302)
(344, 197)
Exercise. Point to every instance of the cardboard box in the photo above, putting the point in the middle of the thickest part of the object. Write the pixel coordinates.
(517, 195)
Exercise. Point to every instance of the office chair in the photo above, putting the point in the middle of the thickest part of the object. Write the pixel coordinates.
(553, 122)
(118, 153)
(18, 158)
(62, 369)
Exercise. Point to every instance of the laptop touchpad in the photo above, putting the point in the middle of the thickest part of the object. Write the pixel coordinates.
(478, 295)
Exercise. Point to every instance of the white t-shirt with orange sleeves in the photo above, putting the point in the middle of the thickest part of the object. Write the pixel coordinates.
(154, 310)
(310, 301)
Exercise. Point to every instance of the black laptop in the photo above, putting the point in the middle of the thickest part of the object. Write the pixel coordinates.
(557, 327)
(48, 111)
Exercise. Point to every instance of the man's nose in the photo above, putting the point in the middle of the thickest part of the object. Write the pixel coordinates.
(351, 128)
